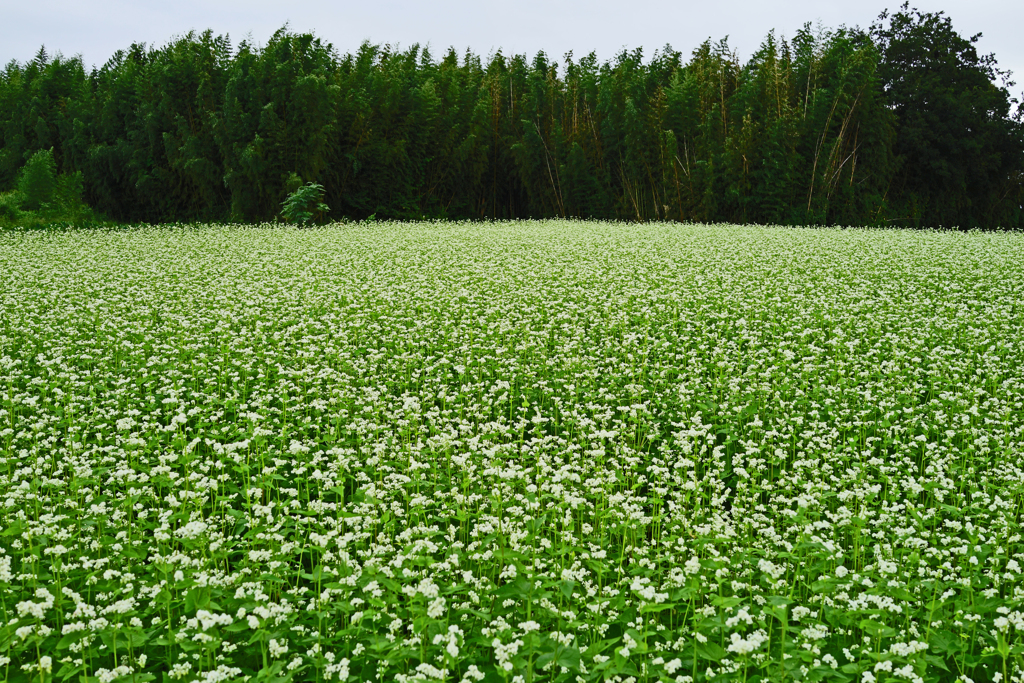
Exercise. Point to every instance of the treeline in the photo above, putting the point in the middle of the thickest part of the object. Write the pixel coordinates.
(903, 123)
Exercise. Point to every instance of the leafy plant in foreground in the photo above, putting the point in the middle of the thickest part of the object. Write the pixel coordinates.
(304, 204)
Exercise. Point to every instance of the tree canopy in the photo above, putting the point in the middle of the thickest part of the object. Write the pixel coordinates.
(903, 123)
(957, 147)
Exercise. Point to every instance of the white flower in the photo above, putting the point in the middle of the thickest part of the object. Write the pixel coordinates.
(771, 569)
(436, 608)
(36, 609)
(108, 675)
(193, 529)
(120, 607)
(208, 620)
(743, 646)
(815, 632)
(908, 649)
(742, 615)
(220, 674)
(278, 649)
(451, 640)
(179, 670)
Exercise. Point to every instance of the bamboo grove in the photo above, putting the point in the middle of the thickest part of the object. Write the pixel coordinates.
(819, 129)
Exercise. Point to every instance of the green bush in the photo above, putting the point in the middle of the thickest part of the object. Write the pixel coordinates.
(63, 206)
(304, 204)
(38, 180)
(9, 212)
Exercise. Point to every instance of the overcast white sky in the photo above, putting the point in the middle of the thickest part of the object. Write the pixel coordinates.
(96, 28)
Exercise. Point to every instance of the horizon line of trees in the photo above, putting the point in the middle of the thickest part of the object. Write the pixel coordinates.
(901, 124)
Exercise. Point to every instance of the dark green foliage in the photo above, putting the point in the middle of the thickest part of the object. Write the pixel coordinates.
(304, 204)
(957, 147)
(67, 199)
(37, 182)
(9, 211)
(835, 127)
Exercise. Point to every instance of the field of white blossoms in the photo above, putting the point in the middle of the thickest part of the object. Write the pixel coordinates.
(511, 452)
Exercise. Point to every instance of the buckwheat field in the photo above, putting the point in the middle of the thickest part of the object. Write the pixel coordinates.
(511, 452)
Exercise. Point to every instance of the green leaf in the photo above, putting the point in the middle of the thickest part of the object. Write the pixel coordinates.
(944, 642)
(69, 670)
(656, 607)
(726, 600)
(521, 588)
(710, 650)
(569, 657)
(70, 638)
(544, 659)
(196, 598)
(875, 629)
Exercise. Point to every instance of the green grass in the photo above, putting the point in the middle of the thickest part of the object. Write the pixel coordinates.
(525, 451)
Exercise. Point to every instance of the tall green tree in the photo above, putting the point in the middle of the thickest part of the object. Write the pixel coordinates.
(960, 153)
(278, 119)
(38, 180)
